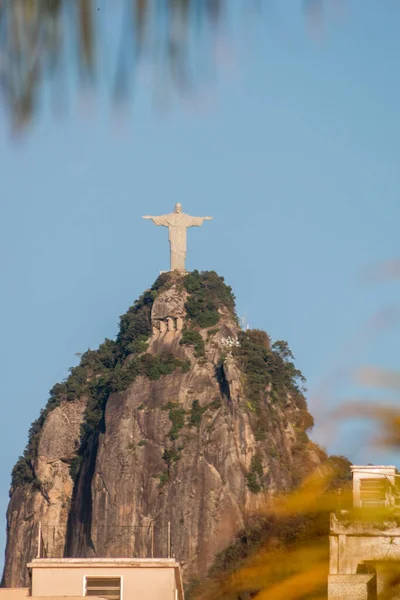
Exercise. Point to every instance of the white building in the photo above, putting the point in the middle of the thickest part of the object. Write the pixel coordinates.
(101, 578)
(365, 541)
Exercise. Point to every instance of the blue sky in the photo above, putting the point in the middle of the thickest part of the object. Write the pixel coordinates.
(291, 141)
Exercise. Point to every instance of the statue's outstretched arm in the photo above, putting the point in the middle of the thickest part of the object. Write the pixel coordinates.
(161, 220)
(198, 221)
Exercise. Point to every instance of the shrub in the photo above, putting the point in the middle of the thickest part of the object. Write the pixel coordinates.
(135, 324)
(75, 466)
(273, 452)
(163, 478)
(207, 293)
(76, 382)
(185, 366)
(265, 366)
(148, 365)
(215, 404)
(191, 337)
(22, 472)
(196, 414)
(260, 338)
(341, 473)
(138, 346)
(155, 367)
(307, 420)
(107, 354)
(123, 375)
(282, 348)
(177, 417)
(170, 456)
(212, 332)
(255, 475)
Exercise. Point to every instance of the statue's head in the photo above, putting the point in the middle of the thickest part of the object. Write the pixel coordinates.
(178, 207)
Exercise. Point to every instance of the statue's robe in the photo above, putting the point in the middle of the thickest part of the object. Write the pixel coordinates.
(177, 224)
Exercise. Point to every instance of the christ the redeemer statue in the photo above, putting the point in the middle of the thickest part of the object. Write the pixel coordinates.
(177, 223)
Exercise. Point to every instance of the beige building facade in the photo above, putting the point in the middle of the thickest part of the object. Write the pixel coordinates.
(106, 578)
(364, 549)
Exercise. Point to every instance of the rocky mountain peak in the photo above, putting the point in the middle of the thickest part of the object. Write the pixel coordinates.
(181, 424)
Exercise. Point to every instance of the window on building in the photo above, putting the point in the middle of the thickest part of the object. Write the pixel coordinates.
(104, 587)
(373, 492)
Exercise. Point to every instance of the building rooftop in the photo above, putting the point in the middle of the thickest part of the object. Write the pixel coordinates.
(372, 467)
(103, 562)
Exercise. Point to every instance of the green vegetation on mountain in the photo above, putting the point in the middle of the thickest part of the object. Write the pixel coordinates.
(255, 475)
(267, 366)
(191, 337)
(196, 413)
(271, 378)
(177, 417)
(151, 366)
(207, 293)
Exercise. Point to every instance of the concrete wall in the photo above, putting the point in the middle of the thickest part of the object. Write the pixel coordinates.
(12, 596)
(139, 581)
(13, 593)
(348, 551)
(361, 544)
(23, 593)
(17, 593)
(352, 587)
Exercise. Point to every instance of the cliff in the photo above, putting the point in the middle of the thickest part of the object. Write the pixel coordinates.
(167, 436)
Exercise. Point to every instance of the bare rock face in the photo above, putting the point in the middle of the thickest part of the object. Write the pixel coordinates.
(48, 501)
(178, 460)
